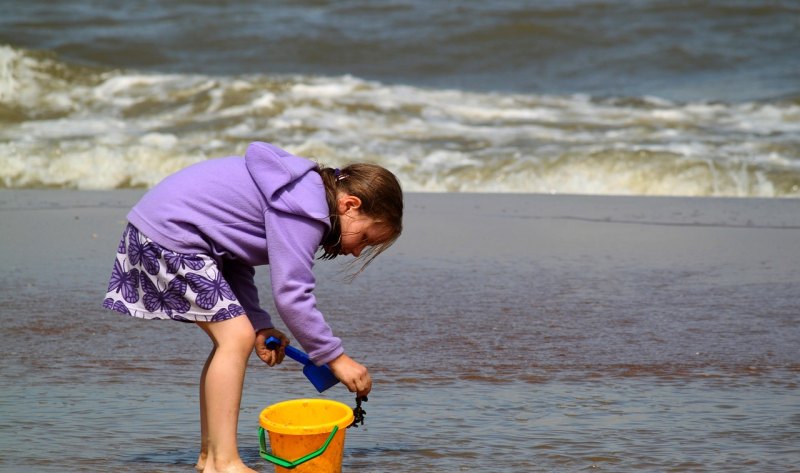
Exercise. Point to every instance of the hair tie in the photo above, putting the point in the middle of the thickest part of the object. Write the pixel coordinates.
(338, 174)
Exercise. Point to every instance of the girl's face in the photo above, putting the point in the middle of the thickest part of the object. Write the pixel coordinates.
(358, 230)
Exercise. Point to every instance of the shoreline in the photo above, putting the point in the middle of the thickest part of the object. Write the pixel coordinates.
(638, 231)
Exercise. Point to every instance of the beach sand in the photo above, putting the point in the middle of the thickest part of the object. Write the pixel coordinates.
(557, 295)
(64, 227)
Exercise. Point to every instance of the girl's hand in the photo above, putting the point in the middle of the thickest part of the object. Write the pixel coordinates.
(271, 357)
(352, 374)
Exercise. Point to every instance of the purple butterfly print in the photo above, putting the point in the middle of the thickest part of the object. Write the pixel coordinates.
(167, 300)
(221, 315)
(176, 261)
(209, 291)
(118, 306)
(147, 253)
(232, 311)
(121, 248)
(127, 282)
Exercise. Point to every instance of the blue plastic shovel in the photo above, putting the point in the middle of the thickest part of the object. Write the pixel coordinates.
(320, 376)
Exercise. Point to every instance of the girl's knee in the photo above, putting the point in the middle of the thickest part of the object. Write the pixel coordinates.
(232, 334)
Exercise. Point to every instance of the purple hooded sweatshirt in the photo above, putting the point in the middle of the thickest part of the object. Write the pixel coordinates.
(266, 208)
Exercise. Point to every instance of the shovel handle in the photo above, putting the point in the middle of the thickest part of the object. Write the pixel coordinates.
(293, 353)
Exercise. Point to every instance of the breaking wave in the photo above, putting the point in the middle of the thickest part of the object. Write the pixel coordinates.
(69, 126)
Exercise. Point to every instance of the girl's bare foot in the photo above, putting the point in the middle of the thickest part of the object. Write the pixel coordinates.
(233, 468)
(201, 462)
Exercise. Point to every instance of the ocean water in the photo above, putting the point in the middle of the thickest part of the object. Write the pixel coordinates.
(607, 97)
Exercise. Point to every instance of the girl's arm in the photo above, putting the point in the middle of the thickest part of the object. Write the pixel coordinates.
(352, 374)
(240, 277)
(292, 243)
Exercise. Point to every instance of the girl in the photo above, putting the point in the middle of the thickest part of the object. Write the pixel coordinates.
(191, 245)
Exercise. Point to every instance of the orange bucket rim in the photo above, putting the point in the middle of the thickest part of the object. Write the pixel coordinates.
(320, 428)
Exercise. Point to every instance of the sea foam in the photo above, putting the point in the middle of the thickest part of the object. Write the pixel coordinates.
(76, 127)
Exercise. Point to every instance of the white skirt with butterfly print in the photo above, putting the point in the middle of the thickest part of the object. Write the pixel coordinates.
(152, 282)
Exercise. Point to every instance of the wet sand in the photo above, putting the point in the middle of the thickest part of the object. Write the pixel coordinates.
(757, 236)
(504, 332)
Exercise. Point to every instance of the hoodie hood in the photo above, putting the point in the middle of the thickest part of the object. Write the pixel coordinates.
(288, 183)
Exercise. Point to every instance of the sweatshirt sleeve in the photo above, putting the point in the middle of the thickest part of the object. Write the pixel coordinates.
(240, 277)
(292, 242)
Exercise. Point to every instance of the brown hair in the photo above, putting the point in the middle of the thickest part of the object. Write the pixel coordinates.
(381, 199)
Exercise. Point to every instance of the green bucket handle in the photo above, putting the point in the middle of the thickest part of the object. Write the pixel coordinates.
(286, 463)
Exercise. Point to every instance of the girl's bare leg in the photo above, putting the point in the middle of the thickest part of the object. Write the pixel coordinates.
(201, 460)
(221, 385)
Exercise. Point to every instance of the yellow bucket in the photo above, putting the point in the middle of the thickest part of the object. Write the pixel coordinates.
(306, 435)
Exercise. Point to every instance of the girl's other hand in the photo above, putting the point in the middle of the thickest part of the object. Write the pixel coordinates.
(271, 357)
(352, 374)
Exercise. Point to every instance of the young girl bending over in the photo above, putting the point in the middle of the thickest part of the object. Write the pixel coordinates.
(191, 245)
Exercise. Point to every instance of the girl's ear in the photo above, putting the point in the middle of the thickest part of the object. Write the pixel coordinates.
(347, 202)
